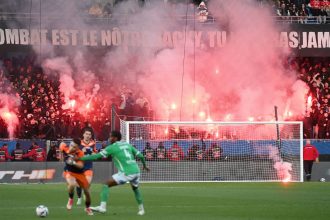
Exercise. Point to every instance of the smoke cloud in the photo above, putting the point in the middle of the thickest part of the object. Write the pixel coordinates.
(61, 66)
(243, 79)
(282, 168)
(9, 104)
(8, 115)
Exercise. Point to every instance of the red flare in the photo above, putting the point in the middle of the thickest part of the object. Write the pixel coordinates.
(173, 106)
(309, 101)
(7, 115)
(202, 114)
(72, 103)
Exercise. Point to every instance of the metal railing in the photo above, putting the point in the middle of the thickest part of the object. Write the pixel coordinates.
(303, 19)
(35, 18)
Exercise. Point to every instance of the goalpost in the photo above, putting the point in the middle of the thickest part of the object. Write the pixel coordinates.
(218, 151)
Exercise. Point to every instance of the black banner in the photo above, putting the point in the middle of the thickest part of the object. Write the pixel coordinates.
(307, 40)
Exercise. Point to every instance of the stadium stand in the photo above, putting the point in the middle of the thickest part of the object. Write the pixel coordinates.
(302, 11)
(41, 114)
(37, 90)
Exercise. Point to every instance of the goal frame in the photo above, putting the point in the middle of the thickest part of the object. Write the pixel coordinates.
(301, 134)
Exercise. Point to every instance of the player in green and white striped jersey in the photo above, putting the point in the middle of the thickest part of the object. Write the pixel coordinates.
(123, 155)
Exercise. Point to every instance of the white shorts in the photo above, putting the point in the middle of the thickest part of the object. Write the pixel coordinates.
(121, 178)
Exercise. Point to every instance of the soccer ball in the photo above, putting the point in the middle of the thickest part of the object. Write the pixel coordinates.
(42, 211)
(322, 179)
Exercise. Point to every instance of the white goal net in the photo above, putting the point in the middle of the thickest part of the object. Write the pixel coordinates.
(218, 151)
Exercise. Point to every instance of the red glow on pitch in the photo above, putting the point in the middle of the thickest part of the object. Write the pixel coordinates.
(287, 179)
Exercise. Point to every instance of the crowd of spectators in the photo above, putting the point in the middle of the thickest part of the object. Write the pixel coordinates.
(36, 153)
(315, 72)
(41, 114)
(160, 153)
(303, 11)
(102, 9)
(176, 153)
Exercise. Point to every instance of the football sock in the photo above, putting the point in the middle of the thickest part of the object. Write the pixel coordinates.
(87, 203)
(105, 194)
(71, 195)
(79, 192)
(138, 196)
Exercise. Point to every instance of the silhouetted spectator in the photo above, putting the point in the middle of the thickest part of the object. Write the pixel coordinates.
(4, 154)
(106, 129)
(53, 153)
(76, 130)
(195, 153)
(148, 152)
(18, 153)
(160, 152)
(214, 152)
(175, 153)
(36, 154)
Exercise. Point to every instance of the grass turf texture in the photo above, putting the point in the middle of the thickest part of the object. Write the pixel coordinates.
(177, 201)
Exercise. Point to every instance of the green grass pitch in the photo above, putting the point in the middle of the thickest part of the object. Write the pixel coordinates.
(177, 201)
